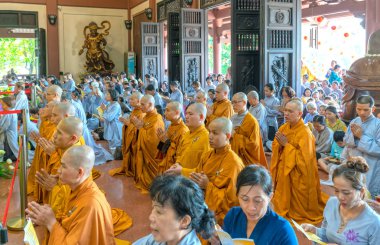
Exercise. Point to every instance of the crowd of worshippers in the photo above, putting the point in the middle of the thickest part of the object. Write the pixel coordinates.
(203, 163)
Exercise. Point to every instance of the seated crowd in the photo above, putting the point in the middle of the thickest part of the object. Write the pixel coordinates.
(200, 154)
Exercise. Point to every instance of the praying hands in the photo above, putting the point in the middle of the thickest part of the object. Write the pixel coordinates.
(281, 138)
(47, 146)
(41, 215)
(357, 130)
(46, 180)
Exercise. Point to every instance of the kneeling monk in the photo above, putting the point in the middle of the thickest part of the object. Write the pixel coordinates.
(87, 217)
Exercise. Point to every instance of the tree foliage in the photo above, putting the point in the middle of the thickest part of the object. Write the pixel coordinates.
(17, 53)
(226, 55)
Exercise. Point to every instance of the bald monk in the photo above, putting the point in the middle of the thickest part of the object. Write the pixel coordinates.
(201, 97)
(146, 161)
(46, 130)
(87, 217)
(246, 138)
(170, 139)
(218, 169)
(195, 142)
(129, 138)
(222, 107)
(297, 192)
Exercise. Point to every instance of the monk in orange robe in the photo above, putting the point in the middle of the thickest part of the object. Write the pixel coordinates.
(46, 130)
(87, 216)
(170, 139)
(297, 191)
(222, 106)
(195, 142)
(246, 138)
(146, 162)
(218, 169)
(130, 135)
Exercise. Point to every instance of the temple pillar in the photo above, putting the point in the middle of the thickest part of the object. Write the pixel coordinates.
(217, 47)
(372, 17)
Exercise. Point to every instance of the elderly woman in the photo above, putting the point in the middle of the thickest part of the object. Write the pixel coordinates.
(254, 219)
(323, 136)
(179, 213)
(348, 219)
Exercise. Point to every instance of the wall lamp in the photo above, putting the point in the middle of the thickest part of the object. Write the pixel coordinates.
(128, 24)
(52, 19)
(148, 13)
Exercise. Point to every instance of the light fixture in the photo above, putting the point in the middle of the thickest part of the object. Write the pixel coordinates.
(52, 19)
(148, 13)
(188, 2)
(128, 24)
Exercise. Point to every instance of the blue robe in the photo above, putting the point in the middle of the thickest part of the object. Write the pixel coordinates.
(8, 128)
(271, 228)
(368, 147)
(189, 239)
(112, 125)
(101, 154)
(68, 87)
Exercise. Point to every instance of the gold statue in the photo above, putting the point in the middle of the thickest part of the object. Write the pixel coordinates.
(97, 58)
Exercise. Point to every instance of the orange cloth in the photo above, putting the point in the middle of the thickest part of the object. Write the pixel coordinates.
(40, 160)
(297, 191)
(87, 219)
(193, 145)
(222, 169)
(221, 108)
(146, 162)
(247, 142)
(175, 134)
(129, 148)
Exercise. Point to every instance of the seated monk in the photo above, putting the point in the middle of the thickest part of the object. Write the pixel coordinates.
(170, 140)
(222, 107)
(195, 141)
(297, 191)
(201, 97)
(129, 139)
(87, 217)
(146, 161)
(218, 169)
(246, 138)
(46, 130)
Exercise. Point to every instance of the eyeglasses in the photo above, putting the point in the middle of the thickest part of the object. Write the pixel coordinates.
(235, 102)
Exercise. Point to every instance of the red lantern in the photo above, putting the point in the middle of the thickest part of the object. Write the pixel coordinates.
(305, 37)
(319, 42)
(333, 28)
(346, 34)
(320, 19)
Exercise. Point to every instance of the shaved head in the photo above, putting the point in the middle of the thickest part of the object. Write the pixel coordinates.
(199, 108)
(297, 103)
(147, 103)
(54, 92)
(175, 106)
(61, 110)
(224, 87)
(137, 95)
(148, 98)
(240, 96)
(71, 126)
(80, 157)
(222, 123)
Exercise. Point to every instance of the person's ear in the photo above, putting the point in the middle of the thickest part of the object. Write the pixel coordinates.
(373, 109)
(185, 222)
(228, 136)
(81, 172)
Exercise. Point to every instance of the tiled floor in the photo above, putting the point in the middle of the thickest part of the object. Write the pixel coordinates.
(120, 192)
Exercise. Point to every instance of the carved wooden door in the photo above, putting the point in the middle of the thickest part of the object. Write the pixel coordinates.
(174, 61)
(40, 49)
(281, 49)
(192, 47)
(151, 59)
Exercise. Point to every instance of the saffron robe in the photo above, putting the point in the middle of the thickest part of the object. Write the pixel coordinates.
(175, 134)
(40, 160)
(247, 142)
(129, 147)
(297, 191)
(87, 219)
(221, 108)
(192, 146)
(146, 161)
(222, 169)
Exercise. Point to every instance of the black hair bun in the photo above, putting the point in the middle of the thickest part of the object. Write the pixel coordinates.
(358, 164)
